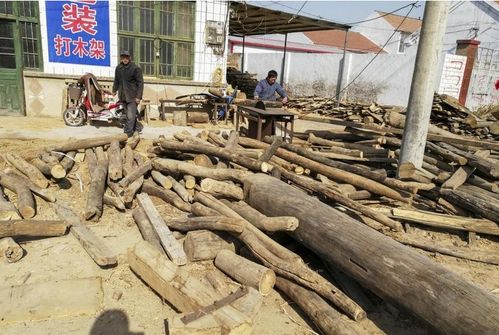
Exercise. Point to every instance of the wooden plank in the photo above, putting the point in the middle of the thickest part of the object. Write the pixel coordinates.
(51, 300)
(168, 241)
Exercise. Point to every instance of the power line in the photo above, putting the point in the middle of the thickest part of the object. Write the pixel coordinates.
(379, 51)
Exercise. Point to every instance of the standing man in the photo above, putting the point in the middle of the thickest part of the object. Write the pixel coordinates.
(129, 83)
(266, 88)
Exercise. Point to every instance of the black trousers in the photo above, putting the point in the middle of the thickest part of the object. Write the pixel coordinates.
(131, 118)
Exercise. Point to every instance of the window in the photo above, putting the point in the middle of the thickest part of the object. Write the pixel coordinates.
(402, 42)
(159, 36)
(24, 16)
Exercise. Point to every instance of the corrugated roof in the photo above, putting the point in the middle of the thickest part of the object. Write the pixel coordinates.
(410, 24)
(356, 42)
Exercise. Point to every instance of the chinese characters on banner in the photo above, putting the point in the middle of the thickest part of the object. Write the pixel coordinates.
(78, 32)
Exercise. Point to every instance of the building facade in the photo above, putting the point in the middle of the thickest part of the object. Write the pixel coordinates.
(181, 47)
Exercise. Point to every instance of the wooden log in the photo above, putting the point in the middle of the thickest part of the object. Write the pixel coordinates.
(127, 160)
(221, 189)
(458, 178)
(10, 250)
(248, 163)
(166, 195)
(115, 168)
(55, 170)
(190, 181)
(216, 222)
(136, 174)
(202, 245)
(11, 179)
(131, 191)
(25, 200)
(96, 189)
(344, 200)
(68, 161)
(482, 226)
(161, 179)
(488, 167)
(464, 253)
(265, 223)
(27, 169)
(482, 183)
(360, 195)
(371, 258)
(93, 245)
(447, 154)
(232, 140)
(171, 166)
(180, 118)
(486, 208)
(203, 160)
(270, 151)
(146, 229)
(113, 202)
(328, 319)
(180, 189)
(32, 228)
(7, 209)
(245, 271)
(74, 145)
(197, 117)
(199, 209)
(170, 282)
(169, 243)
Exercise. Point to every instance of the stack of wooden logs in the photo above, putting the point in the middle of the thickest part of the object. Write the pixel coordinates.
(446, 113)
(245, 82)
(222, 182)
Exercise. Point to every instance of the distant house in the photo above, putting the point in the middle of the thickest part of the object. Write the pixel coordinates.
(356, 42)
(380, 30)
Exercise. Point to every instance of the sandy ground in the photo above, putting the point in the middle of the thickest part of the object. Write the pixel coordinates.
(129, 306)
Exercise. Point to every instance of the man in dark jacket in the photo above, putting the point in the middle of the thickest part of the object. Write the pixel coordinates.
(129, 83)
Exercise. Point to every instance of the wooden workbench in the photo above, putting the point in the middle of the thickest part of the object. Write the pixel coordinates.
(263, 122)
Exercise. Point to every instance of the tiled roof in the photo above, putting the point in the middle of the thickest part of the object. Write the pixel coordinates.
(356, 42)
(410, 24)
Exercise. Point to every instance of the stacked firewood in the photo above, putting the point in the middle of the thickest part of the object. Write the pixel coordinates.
(446, 113)
(245, 82)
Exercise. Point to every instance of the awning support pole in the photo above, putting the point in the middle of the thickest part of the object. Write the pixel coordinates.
(341, 70)
(284, 57)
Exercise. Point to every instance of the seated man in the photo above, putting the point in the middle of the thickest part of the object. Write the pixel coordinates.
(266, 88)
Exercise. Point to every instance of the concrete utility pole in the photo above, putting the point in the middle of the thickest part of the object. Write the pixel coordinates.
(423, 84)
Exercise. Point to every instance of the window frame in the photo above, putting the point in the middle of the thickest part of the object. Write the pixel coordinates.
(15, 16)
(157, 38)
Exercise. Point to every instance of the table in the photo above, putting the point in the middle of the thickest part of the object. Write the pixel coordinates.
(263, 122)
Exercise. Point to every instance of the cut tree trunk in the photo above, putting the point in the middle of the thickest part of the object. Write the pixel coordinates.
(28, 170)
(32, 228)
(328, 319)
(221, 189)
(203, 160)
(245, 271)
(136, 174)
(190, 181)
(161, 179)
(10, 250)
(473, 203)
(379, 263)
(96, 189)
(198, 117)
(88, 143)
(202, 245)
(25, 200)
(265, 223)
(199, 209)
(180, 189)
(115, 169)
(172, 166)
(68, 161)
(127, 160)
(55, 170)
(217, 222)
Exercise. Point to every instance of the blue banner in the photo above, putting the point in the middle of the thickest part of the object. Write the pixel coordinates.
(78, 32)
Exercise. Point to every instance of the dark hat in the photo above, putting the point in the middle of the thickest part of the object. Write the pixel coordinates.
(125, 53)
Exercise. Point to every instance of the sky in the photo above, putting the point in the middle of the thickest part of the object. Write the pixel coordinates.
(342, 11)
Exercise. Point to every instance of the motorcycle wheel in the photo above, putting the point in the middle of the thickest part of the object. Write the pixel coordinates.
(74, 117)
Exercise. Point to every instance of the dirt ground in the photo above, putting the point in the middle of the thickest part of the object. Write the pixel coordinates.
(129, 306)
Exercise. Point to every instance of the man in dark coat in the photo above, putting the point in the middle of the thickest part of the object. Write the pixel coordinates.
(129, 83)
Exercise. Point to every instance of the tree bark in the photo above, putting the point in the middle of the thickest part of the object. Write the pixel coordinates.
(245, 271)
(86, 143)
(32, 228)
(172, 166)
(203, 245)
(221, 189)
(28, 170)
(10, 250)
(380, 264)
(328, 319)
(115, 169)
(265, 223)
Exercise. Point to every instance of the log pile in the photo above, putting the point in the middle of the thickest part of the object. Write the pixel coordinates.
(446, 113)
(245, 82)
(236, 194)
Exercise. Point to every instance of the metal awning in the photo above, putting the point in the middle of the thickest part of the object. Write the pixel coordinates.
(246, 20)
